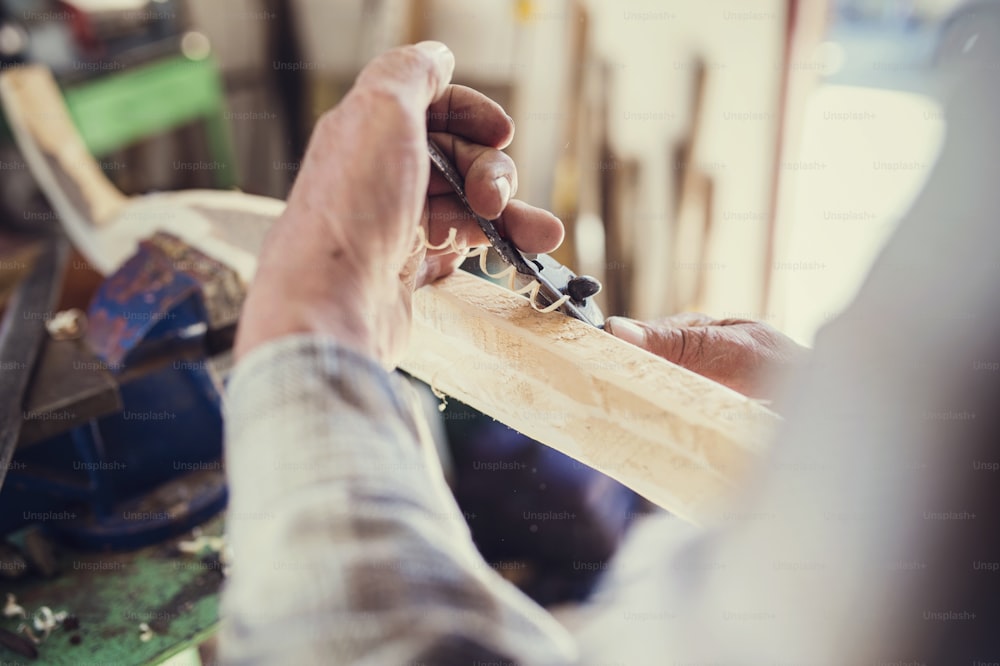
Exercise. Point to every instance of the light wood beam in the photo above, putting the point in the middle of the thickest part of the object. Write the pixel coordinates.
(675, 437)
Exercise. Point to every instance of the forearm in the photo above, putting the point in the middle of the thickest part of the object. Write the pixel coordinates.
(339, 523)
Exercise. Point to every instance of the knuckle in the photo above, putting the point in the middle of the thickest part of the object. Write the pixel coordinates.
(380, 97)
(329, 120)
(411, 57)
(508, 168)
(687, 347)
(397, 66)
(497, 164)
(668, 343)
(399, 60)
(690, 347)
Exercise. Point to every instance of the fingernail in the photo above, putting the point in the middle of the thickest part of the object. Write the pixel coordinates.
(627, 330)
(435, 48)
(503, 187)
(441, 53)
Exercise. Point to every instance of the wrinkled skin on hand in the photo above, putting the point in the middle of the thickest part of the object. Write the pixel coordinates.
(344, 258)
(750, 357)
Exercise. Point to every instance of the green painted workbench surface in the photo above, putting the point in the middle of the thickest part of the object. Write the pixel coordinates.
(175, 593)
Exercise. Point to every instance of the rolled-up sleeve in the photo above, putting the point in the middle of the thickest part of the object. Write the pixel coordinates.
(347, 547)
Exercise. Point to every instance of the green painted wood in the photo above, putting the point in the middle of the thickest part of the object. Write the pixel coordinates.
(117, 110)
(111, 594)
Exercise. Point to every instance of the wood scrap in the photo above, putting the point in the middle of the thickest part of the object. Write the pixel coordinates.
(35, 107)
(693, 222)
(571, 179)
(103, 224)
(18, 644)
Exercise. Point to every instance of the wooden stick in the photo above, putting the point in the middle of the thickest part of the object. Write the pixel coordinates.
(677, 438)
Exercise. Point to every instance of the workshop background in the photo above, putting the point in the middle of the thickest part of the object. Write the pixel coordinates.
(651, 128)
(700, 154)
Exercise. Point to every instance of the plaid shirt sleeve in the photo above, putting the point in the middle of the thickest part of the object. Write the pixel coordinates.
(348, 548)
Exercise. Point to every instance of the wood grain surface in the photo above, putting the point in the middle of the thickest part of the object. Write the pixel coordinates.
(675, 437)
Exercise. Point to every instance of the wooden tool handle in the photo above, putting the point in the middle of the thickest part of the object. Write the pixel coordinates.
(60, 161)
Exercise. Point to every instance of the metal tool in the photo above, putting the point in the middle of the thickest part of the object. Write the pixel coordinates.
(21, 335)
(120, 434)
(555, 280)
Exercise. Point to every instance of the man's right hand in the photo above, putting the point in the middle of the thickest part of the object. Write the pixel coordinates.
(747, 356)
(345, 256)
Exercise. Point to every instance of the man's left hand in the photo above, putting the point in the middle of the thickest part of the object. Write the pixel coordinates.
(747, 356)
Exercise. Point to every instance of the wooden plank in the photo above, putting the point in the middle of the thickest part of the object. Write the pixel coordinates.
(54, 149)
(572, 178)
(806, 25)
(102, 223)
(693, 220)
(677, 438)
(620, 194)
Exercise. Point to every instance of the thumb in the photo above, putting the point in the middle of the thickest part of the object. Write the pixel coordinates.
(665, 342)
(414, 75)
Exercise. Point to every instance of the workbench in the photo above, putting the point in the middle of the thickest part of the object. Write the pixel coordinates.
(175, 593)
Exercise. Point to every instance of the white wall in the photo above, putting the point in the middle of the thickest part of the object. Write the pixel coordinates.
(865, 155)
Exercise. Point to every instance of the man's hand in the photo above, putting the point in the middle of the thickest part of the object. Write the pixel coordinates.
(345, 256)
(748, 356)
